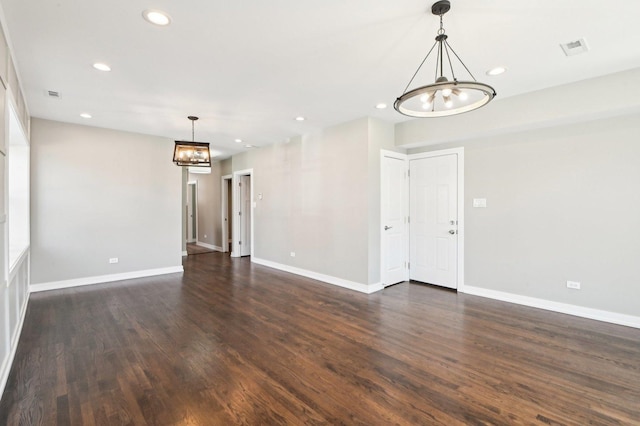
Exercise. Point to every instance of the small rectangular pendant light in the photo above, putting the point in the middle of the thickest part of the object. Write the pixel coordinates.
(192, 154)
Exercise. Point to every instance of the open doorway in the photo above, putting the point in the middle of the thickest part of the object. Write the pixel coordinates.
(227, 213)
(192, 212)
(242, 235)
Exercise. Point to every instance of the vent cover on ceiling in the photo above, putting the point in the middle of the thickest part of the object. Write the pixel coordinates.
(53, 94)
(575, 47)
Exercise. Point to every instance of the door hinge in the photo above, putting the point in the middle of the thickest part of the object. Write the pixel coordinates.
(408, 173)
(239, 213)
(239, 183)
(408, 219)
(239, 243)
(408, 265)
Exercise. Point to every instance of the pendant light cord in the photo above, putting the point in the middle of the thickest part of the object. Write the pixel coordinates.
(440, 32)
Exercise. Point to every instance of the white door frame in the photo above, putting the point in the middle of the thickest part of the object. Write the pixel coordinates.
(405, 212)
(460, 157)
(194, 209)
(460, 254)
(236, 212)
(226, 197)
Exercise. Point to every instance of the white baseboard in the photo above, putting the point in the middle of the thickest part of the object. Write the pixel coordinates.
(184, 253)
(209, 246)
(55, 285)
(351, 285)
(5, 369)
(565, 308)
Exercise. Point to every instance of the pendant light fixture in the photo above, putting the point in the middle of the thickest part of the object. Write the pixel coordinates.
(192, 153)
(445, 96)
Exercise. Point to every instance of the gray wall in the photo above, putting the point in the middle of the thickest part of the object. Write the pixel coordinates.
(209, 208)
(570, 103)
(98, 194)
(317, 198)
(562, 204)
(226, 167)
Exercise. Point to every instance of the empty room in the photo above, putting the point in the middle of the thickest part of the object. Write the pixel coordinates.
(349, 213)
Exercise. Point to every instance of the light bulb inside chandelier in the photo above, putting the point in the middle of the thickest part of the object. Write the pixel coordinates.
(443, 97)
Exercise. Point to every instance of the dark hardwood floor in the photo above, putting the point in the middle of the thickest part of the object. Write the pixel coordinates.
(193, 248)
(230, 342)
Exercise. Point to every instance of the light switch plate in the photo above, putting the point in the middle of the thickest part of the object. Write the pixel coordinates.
(573, 284)
(480, 202)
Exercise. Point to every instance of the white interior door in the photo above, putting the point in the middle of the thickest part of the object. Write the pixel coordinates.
(393, 220)
(433, 220)
(245, 215)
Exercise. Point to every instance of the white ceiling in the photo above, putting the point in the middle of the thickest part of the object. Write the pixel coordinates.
(248, 68)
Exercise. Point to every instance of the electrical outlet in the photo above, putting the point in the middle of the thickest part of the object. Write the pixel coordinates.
(293, 254)
(113, 260)
(573, 284)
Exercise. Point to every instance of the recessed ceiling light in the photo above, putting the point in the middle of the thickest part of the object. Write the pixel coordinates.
(156, 17)
(496, 71)
(101, 67)
(248, 146)
(381, 106)
(238, 141)
(85, 115)
(300, 118)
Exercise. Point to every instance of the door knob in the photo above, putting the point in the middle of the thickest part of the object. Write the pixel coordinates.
(387, 227)
(452, 231)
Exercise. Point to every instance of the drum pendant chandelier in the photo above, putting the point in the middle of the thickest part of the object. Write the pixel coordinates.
(443, 97)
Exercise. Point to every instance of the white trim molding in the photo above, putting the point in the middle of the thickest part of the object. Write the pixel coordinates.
(209, 246)
(225, 198)
(56, 285)
(564, 308)
(351, 285)
(13, 336)
(236, 251)
(5, 369)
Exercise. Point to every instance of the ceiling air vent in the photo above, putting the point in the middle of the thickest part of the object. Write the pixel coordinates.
(53, 94)
(575, 47)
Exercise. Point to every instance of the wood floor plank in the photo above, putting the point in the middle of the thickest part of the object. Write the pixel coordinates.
(231, 342)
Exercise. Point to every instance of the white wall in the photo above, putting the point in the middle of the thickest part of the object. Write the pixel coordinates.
(99, 194)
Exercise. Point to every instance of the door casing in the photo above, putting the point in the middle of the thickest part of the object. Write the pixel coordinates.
(461, 222)
(226, 199)
(192, 202)
(236, 252)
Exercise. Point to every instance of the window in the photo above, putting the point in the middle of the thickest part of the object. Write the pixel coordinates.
(18, 189)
